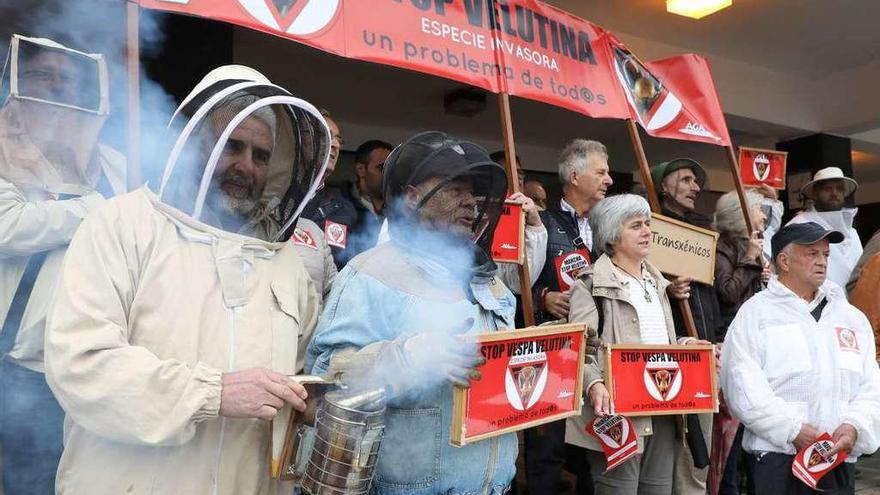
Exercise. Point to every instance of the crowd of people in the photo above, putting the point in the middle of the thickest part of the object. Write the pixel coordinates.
(148, 336)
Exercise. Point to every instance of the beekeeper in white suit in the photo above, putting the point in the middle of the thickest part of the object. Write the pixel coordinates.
(53, 172)
(179, 313)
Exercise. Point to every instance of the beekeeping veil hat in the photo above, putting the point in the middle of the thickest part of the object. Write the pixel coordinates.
(55, 102)
(201, 129)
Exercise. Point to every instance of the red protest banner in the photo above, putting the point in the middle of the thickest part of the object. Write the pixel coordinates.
(673, 98)
(649, 380)
(508, 240)
(522, 47)
(757, 166)
(531, 376)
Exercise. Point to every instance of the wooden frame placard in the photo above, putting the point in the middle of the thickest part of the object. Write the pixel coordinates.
(683, 250)
(508, 242)
(532, 376)
(762, 166)
(651, 380)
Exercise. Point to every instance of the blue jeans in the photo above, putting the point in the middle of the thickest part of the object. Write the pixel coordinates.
(31, 431)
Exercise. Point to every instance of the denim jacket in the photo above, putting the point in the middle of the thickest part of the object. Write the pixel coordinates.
(379, 298)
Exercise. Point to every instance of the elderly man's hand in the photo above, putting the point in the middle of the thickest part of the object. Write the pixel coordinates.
(845, 437)
(259, 393)
(557, 303)
(528, 206)
(680, 288)
(806, 436)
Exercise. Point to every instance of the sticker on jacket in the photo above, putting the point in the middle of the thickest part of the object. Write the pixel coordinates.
(618, 438)
(569, 266)
(847, 340)
(303, 238)
(336, 234)
(814, 462)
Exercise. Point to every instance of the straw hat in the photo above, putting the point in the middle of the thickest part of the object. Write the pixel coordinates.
(829, 173)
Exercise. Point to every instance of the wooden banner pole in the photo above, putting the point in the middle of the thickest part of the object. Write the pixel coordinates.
(525, 283)
(653, 200)
(134, 115)
(740, 190)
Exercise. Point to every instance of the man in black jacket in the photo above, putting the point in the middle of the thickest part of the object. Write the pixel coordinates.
(584, 173)
(679, 183)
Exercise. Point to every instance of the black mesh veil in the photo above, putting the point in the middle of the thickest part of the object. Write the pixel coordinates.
(436, 154)
(201, 129)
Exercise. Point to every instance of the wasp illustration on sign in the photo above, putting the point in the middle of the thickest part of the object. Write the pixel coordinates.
(296, 17)
(662, 378)
(525, 380)
(761, 167)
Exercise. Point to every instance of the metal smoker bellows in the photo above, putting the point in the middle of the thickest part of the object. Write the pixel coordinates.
(348, 432)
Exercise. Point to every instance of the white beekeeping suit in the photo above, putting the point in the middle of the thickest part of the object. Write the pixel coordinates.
(162, 294)
(53, 173)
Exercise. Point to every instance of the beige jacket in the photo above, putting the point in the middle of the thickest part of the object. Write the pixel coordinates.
(152, 307)
(620, 325)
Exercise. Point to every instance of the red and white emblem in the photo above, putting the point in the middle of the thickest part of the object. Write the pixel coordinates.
(569, 266)
(525, 380)
(336, 234)
(761, 167)
(303, 238)
(296, 17)
(618, 438)
(846, 339)
(662, 378)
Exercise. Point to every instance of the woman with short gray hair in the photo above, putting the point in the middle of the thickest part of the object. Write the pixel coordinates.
(623, 298)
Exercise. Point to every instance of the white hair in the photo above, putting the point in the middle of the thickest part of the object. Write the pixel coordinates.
(609, 215)
(576, 155)
(729, 215)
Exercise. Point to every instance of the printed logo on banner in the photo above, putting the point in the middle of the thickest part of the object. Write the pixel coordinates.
(569, 267)
(296, 17)
(846, 339)
(302, 238)
(663, 378)
(336, 234)
(526, 379)
(695, 129)
(761, 167)
(618, 439)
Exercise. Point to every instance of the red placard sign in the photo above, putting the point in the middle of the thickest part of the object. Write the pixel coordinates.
(507, 243)
(569, 266)
(531, 376)
(757, 166)
(648, 380)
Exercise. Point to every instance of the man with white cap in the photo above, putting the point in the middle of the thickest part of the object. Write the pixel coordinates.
(179, 314)
(828, 192)
(799, 361)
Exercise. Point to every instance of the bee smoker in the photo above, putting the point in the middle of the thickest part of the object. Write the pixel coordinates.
(347, 434)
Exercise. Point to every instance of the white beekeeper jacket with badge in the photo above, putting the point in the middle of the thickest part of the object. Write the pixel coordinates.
(781, 368)
(45, 195)
(154, 305)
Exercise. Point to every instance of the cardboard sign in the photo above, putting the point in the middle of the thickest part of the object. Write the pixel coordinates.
(531, 376)
(812, 463)
(650, 380)
(683, 250)
(757, 166)
(508, 243)
(569, 266)
(618, 438)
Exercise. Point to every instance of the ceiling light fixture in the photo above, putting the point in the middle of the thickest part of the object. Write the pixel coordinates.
(696, 9)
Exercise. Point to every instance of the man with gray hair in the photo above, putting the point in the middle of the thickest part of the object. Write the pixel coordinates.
(584, 173)
(799, 361)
